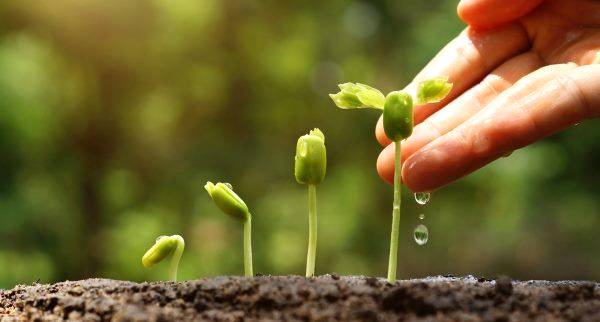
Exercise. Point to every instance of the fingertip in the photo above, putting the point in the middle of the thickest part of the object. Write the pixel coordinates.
(385, 160)
(437, 164)
(419, 174)
(487, 14)
(380, 133)
(463, 10)
(411, 176)
(385, 164)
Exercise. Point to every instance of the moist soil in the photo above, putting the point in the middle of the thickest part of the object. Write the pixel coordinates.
(295, 298)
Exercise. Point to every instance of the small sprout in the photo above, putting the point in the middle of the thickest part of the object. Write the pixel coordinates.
(310, 168)
(164, 247)
(311, 159)
(227, 200)
(398, 122)
(433, 90)
(398, 115)
(231, 204)
(358, 95)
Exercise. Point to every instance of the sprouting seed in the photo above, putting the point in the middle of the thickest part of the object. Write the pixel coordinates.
(309, 168)
(163, 247)
(231, 204)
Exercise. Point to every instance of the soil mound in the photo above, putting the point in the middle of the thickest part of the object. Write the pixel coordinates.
(295, 298)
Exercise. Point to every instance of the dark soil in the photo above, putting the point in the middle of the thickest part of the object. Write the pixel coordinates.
(294, 298)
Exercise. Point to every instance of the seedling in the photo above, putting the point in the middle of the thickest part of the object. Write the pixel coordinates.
(164, 247)
(310, 166)
(398, 120)
(231, 204)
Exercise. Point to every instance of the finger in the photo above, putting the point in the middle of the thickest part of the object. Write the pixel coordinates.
(581, 52)
(472, 101)
(466, 106)
(513, 120)
(380, 133)
(466, 60)
(579, 13)
(485, 14)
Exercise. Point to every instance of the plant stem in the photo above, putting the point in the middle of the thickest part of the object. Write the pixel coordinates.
(248, 272)
(393, 261)
(312, 230)
(175, 258)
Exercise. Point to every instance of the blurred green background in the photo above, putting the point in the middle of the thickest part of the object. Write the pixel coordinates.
(113, 115)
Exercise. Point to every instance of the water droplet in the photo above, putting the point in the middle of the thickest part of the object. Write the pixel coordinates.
(422, 197)
(422, 216)
(421, 234)
(228, 185)
(160, 237)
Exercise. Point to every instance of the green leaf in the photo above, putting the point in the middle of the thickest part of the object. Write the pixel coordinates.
(433, 90)
(370, 97)
(352, 96)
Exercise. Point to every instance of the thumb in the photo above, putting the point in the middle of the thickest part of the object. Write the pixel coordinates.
(486, 14)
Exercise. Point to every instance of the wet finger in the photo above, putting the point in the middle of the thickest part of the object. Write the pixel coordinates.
(461, 109)
(518, 117)
(465, 60)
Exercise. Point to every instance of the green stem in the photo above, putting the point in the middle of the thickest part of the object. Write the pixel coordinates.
(175, 258)
(312, 230)
(393, 262)
(248, 272)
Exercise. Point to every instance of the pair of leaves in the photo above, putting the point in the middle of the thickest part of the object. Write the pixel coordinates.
(355, 96)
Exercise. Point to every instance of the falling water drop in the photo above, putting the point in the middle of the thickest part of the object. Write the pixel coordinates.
(422, 216)
(421, 234)
(422, 197)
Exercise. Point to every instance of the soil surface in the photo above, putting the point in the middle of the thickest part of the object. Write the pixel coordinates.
(295, 298)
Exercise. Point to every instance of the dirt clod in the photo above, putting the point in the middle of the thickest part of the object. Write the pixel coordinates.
(504, 285)
(295, 298)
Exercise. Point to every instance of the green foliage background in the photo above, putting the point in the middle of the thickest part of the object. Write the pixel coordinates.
(113, 115)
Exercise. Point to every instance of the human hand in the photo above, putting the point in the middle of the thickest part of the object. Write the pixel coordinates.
(522, 70)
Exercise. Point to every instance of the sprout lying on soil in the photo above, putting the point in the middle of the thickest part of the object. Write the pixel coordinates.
(163, 247)
(309, 169)
(231, 204)
(398, 119)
